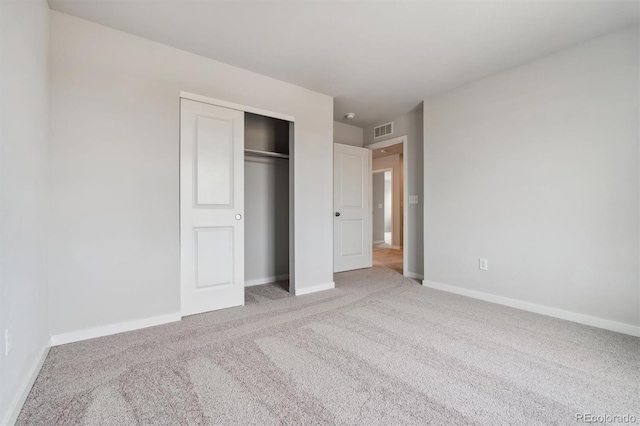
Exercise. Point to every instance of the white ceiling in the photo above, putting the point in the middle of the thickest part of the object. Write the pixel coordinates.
(378, 59)
(387, 151)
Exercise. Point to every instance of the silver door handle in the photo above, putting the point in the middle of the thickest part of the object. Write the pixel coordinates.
(337, 214)
(238, 216)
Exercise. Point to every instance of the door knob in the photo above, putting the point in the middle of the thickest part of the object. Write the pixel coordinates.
(337, 214)
(238, 216)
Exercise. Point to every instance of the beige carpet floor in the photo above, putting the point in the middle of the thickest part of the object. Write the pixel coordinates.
(378, 350)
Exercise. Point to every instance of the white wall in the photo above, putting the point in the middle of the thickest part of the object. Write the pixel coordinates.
(24, 127)
(393, 162)
(379, 208)
(409, 124)
(536, 169)
(114, 244)
(388, 201)
(347, 134)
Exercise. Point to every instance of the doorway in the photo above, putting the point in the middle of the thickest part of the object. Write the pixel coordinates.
(388, 196)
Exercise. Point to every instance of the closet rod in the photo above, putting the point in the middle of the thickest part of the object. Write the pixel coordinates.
(257, 153)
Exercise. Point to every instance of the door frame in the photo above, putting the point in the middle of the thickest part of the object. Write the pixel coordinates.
(266, 113)
(405, 194)
(239, 107)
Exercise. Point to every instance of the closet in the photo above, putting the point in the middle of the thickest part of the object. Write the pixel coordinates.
(235, 209)
(266, 200)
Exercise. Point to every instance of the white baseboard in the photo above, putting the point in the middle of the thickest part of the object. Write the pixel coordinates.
(315, 289)
(23, 392)
(379, 242)
(266, 280)
(538, 309)
(414, 275)
(107, 330)
(396, 247)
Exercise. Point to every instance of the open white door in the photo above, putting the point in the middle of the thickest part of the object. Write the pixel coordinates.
(211, 207)
(352, 205)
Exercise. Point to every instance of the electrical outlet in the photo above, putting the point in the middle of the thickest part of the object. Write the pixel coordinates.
(413, 199)
(7, 342)
(484, 265)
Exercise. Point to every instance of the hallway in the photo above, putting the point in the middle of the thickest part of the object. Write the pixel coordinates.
(385, 256)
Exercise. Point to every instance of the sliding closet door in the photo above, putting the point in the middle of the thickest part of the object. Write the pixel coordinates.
(211, 207)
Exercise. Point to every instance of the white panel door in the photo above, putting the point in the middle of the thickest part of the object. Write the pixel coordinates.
(352, 247)
(211, 207)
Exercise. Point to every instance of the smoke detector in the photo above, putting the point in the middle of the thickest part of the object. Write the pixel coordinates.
(350, 116)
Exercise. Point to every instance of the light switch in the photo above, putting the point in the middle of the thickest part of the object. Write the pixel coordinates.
(379, 206)
(413, 199)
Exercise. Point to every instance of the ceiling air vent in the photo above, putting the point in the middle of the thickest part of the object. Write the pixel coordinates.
(383, 130)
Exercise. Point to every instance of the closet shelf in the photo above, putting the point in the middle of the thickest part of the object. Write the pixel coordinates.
(256, 153)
